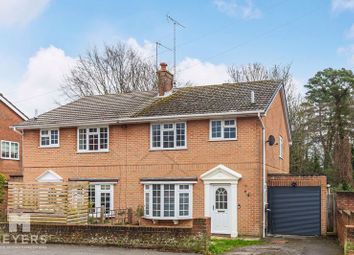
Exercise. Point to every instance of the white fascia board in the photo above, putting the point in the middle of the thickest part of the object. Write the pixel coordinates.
(146, 119)
(13, 108)
(189, 117)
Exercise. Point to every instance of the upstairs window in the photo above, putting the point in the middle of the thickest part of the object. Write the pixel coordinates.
(168, 136)
(10, 150)
(223, 130)
(92, 139)
(168, 201)
(281, 145)
(49, 138)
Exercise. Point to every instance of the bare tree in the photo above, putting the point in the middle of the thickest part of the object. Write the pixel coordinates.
(116, 69)
(257, 72)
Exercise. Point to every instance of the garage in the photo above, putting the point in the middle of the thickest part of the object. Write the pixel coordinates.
(295, 208)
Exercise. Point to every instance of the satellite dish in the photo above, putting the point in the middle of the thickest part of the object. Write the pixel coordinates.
(271, 140)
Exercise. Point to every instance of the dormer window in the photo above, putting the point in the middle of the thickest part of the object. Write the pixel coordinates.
(49, 138)
(168, 136)
(223, 130)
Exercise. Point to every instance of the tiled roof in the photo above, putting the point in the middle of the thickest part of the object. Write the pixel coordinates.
(227, 97)
(211, 99)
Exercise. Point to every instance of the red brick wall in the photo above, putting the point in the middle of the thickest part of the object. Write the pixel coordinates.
(275, 124)
(129, 158)
(305, 181)
(345, 201)
(345, 220)
(8, 118)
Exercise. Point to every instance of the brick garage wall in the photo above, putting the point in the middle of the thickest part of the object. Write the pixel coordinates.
(305, 181)
(186, 239)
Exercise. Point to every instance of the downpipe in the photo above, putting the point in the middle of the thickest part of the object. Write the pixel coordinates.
(264, 178)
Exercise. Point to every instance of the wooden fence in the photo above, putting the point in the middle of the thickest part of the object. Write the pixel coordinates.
(56, 203)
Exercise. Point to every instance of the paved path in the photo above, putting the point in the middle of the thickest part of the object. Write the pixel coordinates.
(293, 246)
(58, 249)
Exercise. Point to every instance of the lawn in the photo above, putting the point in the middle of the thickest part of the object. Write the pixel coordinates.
(218, 246)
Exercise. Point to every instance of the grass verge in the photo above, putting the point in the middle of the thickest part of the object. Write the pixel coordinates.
(218, 246)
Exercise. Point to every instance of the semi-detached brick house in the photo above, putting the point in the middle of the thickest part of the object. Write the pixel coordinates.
(181, 153)
(10, 141)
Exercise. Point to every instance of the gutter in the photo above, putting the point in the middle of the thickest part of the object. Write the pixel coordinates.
(132, 120)
(264, 178)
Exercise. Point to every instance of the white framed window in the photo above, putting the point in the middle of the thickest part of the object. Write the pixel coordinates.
(101, 199)
(10, 150)
(223, 130)
(49, 138)
(281, 145)
(92, 139)
(169, 201)
(168, 136)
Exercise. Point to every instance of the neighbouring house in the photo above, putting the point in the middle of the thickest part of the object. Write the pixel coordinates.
(10, 140)
(181, 153)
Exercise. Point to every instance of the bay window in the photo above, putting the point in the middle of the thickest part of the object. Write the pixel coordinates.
(168, 201)
(92, 139)
(223, 130)
(168, 136)
(10, 150)
(49, 138)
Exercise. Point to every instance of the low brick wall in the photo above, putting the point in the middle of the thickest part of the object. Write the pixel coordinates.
(285, 180)
(187, 239)
(345, 220)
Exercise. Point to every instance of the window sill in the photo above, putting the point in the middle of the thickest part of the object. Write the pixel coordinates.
(85, 152)
(15, 159)
(167, 218)
(49, 147)
(168, 149)
(222, 140)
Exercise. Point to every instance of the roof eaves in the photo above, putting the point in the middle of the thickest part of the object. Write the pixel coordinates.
(13, 107)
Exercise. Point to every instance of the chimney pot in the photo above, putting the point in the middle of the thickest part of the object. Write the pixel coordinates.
(163, 66)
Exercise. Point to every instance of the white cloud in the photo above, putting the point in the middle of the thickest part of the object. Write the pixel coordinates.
(342, 5)
(350, 32)
(347, 51)
(147, 50)
(200, 73)
(20, 12)
(39, 87)
(244, 9)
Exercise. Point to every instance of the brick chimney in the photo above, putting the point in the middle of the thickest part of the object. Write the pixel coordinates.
(165, 80)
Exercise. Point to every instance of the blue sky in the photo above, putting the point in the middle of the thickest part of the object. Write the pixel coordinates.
(40, 39)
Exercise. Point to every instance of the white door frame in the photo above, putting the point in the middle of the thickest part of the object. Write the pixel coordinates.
(222, 175)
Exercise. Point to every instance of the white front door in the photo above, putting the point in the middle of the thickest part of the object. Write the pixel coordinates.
(220, 209)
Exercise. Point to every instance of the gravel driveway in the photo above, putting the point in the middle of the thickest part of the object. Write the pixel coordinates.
(58, 249)
(293, 246)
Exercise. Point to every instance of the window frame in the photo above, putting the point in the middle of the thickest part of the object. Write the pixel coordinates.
(174, 134)
(50, 138)
(281, 147)
(178, 191)
(98, 192)
(211, 138)
(10, 146)
(78, 150)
